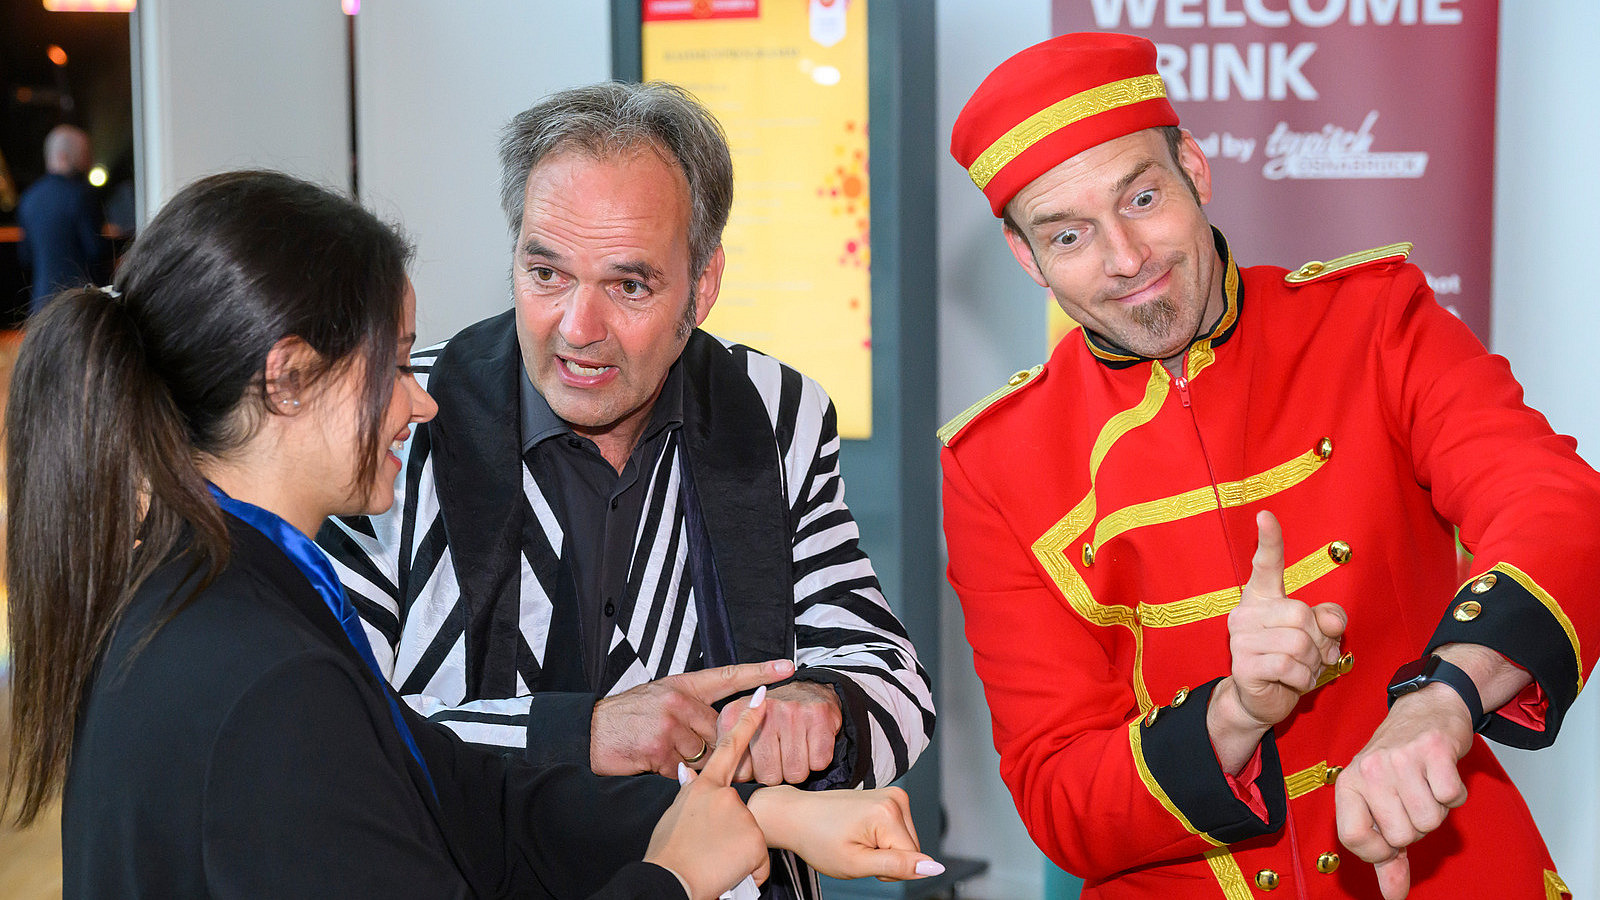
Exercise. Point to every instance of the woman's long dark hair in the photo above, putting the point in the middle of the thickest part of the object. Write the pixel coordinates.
(117, 395)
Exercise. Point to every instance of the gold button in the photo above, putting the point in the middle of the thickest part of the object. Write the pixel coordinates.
(1180, 696)
(1309, 269)
(1150, 717)
(1088, 555)
(1325, 448)
(1328, 863)
(1484, 582)
(1467, 610)
(1332, 774)
(1017, 379)
(1346, 663)
(1339, 552)
(1267, 880)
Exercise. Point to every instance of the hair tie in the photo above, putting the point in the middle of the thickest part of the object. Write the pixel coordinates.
(110, 291)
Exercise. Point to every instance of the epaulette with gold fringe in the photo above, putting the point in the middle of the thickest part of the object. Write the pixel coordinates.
(1013, 384)
(1317, 270)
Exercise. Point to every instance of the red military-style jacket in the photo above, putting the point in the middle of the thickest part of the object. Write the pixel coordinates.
(1100, 520)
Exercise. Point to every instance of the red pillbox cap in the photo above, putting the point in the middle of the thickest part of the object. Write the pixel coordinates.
(1051, 102)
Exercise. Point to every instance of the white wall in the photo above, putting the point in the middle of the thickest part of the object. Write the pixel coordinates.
(1547, 322)
(232, 84)
(228, 85)
(991, 323)
(435, 82)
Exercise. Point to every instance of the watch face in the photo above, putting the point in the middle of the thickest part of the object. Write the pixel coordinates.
(1411, 671)
(1411, 677)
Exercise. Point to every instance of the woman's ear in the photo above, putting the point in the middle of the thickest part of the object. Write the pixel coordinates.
(285, 379)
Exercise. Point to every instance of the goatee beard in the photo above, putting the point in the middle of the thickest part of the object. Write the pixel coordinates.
(1155, 317)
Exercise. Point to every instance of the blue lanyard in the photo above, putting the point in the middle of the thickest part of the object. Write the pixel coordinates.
(311, 561)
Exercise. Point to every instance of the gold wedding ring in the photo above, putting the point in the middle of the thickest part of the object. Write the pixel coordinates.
(691, 760)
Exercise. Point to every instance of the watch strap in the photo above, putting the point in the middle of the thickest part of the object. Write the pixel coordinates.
(1441, 670)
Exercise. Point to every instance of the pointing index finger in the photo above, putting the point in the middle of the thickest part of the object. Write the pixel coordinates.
(1266, 567)
(711, 685)
(724, 760)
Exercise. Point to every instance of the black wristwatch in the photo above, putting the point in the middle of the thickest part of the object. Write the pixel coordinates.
(1413, 676)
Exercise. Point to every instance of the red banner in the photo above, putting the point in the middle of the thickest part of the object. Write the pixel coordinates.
(1335, 125)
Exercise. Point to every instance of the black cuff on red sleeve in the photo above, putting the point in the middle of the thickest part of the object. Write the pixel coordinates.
(1178, 754)
(1499, 611)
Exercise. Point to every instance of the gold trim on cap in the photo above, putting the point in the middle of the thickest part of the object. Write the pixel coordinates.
(1059, 115)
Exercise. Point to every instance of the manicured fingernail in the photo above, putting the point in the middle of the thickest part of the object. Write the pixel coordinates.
(929, 867)
(783, 666)
(758, 697)
(683, 774)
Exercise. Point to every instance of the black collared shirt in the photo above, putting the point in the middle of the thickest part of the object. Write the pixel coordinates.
(599, 507)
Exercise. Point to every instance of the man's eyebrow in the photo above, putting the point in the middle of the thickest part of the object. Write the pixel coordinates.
(1131, 177)
(533, 247)
(1051, 217)
(638, 268)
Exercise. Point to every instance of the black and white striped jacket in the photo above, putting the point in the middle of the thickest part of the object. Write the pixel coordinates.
(465, 594)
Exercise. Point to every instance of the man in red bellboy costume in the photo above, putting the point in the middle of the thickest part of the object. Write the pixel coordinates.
(1201, 546)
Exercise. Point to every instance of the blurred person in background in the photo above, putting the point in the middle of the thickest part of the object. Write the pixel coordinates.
(61, 219)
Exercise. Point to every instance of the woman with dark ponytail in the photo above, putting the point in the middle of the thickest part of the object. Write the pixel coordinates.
(188, 673)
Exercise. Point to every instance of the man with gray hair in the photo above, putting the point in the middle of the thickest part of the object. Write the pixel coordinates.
(618, 521)
(61, 219)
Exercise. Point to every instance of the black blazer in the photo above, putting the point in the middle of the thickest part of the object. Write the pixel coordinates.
(247, 751)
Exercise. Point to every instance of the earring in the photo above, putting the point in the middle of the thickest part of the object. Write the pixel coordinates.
(290, 402)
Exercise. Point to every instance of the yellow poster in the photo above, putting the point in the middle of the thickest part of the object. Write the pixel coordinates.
(788, 81)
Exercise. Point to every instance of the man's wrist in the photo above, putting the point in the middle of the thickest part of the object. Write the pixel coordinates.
(1233, 731)
(1499, 680)
(1437, 709)
(1436, 673)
